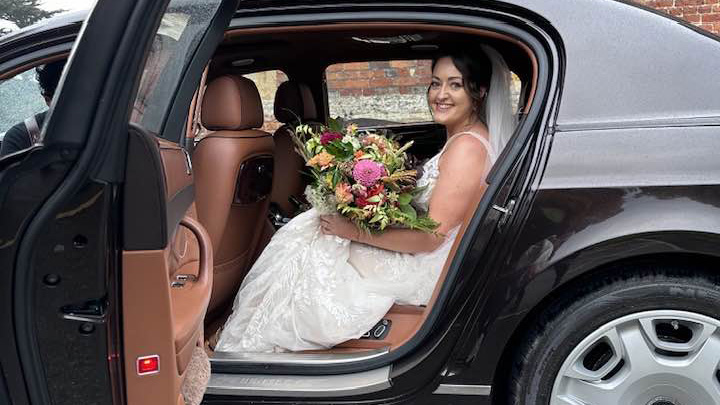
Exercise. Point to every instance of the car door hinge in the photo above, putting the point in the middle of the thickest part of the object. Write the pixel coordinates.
(505, 211)
(92, 311)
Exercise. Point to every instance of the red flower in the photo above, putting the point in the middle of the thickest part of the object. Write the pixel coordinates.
(328, 137)
(361, 201)
(376, 189)
(372, 191)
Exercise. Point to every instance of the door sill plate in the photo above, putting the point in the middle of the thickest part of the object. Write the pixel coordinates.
(299, 385)
(295, 359)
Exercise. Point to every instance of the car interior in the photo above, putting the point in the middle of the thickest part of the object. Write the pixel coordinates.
(229, 199)
(242, 180)
(249, 181)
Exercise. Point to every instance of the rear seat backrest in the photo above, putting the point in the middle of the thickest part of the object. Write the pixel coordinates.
(293, 101)
(233, 178)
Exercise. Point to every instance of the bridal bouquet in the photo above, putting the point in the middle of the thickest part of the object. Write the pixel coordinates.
(363, 175)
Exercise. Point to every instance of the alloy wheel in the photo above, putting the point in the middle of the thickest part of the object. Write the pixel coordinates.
(660, 357)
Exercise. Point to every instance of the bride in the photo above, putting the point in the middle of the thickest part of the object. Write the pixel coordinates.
(320, 281)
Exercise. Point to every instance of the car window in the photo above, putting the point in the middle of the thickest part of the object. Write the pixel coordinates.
(386, 92)
(179, 34)
(267, 83)
(20, 98)
(379, 92)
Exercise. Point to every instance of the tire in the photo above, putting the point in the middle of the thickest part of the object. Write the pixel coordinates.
(587, 347)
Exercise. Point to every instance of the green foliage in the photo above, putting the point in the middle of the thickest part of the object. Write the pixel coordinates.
(341, 150)
(409, 211)
(337, 178)
(336, 124)
(404, 199)
(390, 203)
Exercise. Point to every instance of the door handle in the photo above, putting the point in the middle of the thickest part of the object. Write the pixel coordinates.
(204, 277)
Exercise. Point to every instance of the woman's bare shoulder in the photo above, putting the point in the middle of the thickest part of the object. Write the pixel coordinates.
(465, 150)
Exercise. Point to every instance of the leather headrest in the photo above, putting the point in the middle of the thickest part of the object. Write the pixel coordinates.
(294, 100)
(232, 103)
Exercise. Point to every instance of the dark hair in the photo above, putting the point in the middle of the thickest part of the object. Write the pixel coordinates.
(48, 76)
(476, 71)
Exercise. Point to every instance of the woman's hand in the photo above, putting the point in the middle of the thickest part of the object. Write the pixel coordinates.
(339, 226)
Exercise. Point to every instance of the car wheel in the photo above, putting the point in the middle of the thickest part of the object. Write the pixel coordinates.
(647, 339)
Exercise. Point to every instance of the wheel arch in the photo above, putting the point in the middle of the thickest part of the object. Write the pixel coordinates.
(638, 254)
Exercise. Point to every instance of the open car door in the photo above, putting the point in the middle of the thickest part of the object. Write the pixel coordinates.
(105, 279)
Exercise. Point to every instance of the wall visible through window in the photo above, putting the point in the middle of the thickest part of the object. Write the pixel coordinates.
(379, 93)
(388, 92)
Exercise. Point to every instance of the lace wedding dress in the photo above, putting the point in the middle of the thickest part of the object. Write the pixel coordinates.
(308, 290)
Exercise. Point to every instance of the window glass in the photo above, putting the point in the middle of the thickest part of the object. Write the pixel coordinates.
(181, 29)
(390, 92)
(379, 93)
(21, 98)
(267, 83)
(515, 86)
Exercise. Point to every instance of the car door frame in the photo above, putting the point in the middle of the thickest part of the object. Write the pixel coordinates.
(85, 137)
(504, 177)
(83, 125)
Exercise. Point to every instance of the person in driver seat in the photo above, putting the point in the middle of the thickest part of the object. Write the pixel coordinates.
(25, 134)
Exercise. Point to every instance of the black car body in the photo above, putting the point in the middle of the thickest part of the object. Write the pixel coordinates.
(603, 206)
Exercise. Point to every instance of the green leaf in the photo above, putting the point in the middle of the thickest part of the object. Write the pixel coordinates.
(332, 149)
(335, 124)
(409, 211)
(338, 149)
(348, 147)
(376, 218)
(375, 199)
(404, 199)
(337, 177)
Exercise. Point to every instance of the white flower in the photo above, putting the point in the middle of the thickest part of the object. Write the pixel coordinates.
(324, 203)
(353, 141)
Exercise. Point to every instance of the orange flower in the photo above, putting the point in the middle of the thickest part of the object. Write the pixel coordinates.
(343, 193)
(321, 160)
(359, 154)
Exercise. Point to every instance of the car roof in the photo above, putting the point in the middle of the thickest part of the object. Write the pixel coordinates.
(630, 66)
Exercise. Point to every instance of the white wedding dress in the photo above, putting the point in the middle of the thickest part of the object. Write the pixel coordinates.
(308, 290)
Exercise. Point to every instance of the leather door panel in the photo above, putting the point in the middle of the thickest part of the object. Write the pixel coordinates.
(166, 287)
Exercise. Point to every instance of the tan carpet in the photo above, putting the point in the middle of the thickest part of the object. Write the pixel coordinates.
(196, 377)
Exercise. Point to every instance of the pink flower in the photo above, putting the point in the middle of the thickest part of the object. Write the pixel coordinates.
(367, 172)
(328, 137)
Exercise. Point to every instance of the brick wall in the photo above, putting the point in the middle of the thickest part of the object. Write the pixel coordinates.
(387, 90)
(703, 13)
(371, 78)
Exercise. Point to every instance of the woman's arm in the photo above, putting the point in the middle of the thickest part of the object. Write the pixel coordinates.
(462, 177)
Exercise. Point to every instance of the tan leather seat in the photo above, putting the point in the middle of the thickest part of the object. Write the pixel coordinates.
(293, 101)
(233, 179)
